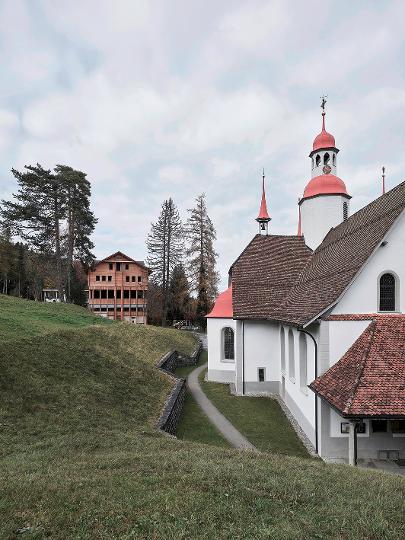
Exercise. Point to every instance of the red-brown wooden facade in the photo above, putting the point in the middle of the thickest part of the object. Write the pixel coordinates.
(117, 289)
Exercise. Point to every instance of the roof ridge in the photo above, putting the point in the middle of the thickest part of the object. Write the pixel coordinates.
(372, 326)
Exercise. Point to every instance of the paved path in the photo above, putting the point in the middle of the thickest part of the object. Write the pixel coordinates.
(229, 432)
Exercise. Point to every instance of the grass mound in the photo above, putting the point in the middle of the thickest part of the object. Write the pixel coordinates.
(80, 457)
(22, 318)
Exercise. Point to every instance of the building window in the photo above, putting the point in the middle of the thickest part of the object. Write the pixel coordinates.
(387, 292)
(139, 279)
(103, 293)
(313, 163)
(133, 279)
(303, 363)
(126, 293)
(127, 267)
(326, 158)
(379, 426)
(133, 294)
(291, 356)
(334, 159)
(97, 278)
(228, 340)
(360, 427)
(140, 294)
(118, 267)
(110, 293)
(345, 211)
(118, 294)
(103, 278)
(109, 278)
(110, 266)
(127, 279)
(282, 347)
(317, 160)
(261, 374)
(96, 293)
(397, 426)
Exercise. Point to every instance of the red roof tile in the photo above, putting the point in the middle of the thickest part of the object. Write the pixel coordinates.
(369, 380)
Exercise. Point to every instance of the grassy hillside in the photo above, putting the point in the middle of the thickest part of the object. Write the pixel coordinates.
(21, 318)
(80, 457)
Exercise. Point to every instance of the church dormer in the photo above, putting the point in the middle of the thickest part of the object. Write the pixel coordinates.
(263, 218)
(325, 203)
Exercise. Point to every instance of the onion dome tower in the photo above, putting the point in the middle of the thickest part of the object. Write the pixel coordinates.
(263, 218)
(325, 202)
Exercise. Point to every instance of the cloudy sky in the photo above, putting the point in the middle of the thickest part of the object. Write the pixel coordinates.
(173, 98)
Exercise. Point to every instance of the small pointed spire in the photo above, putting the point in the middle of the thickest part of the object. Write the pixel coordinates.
(263, 218)
(299, 233)
(383, 180)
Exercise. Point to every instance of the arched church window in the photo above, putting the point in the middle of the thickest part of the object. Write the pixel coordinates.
(303, 363)
(291, 356)
(317, 160)
(326, 158)
(345, 211)
(228, 343)
(313, 163)
(387, 292)
(334, 159)
(282, 349)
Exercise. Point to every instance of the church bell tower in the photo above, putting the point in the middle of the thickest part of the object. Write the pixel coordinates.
(325, 202)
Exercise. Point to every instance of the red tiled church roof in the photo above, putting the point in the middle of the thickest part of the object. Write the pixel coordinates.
(369, 380)
(264, 273)
(223, 306)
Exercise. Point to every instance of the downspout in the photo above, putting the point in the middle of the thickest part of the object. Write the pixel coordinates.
(243, 358)
(316, 375)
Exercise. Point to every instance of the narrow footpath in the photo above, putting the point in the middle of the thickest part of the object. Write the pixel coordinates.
(229, 432)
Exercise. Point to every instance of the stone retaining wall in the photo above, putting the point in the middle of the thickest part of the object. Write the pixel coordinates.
(172, 409)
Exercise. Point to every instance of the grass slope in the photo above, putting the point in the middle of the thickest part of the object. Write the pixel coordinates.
(80, 457)
(21, 318)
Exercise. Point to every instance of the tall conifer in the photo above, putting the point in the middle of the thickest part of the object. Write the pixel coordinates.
(165, 249)
(201, 257)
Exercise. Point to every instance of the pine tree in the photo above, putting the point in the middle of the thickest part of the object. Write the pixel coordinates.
(201, 257)
(165, 249)
(179, 295)
(36, 214)
(80, 221)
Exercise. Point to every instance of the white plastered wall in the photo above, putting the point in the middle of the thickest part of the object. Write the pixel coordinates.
(300, 401)
(262, 350)
(319, 214)
(219, 370)
(362, 295)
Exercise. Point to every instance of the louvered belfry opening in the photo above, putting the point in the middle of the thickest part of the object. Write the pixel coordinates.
(229, 347)
(387, 292)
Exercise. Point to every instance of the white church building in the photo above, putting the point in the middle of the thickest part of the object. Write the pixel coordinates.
(317, 318)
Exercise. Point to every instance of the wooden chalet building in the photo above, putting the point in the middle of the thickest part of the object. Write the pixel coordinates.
(117, 288)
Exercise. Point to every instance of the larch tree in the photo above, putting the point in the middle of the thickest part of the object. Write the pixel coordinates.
(165, 249)
(201, 257)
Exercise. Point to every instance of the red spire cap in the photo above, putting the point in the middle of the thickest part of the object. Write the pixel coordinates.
(263, 213)
(324, 139)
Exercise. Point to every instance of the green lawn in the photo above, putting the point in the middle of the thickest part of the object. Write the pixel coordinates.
(195, 425)
(260, 419)
(80, 457)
